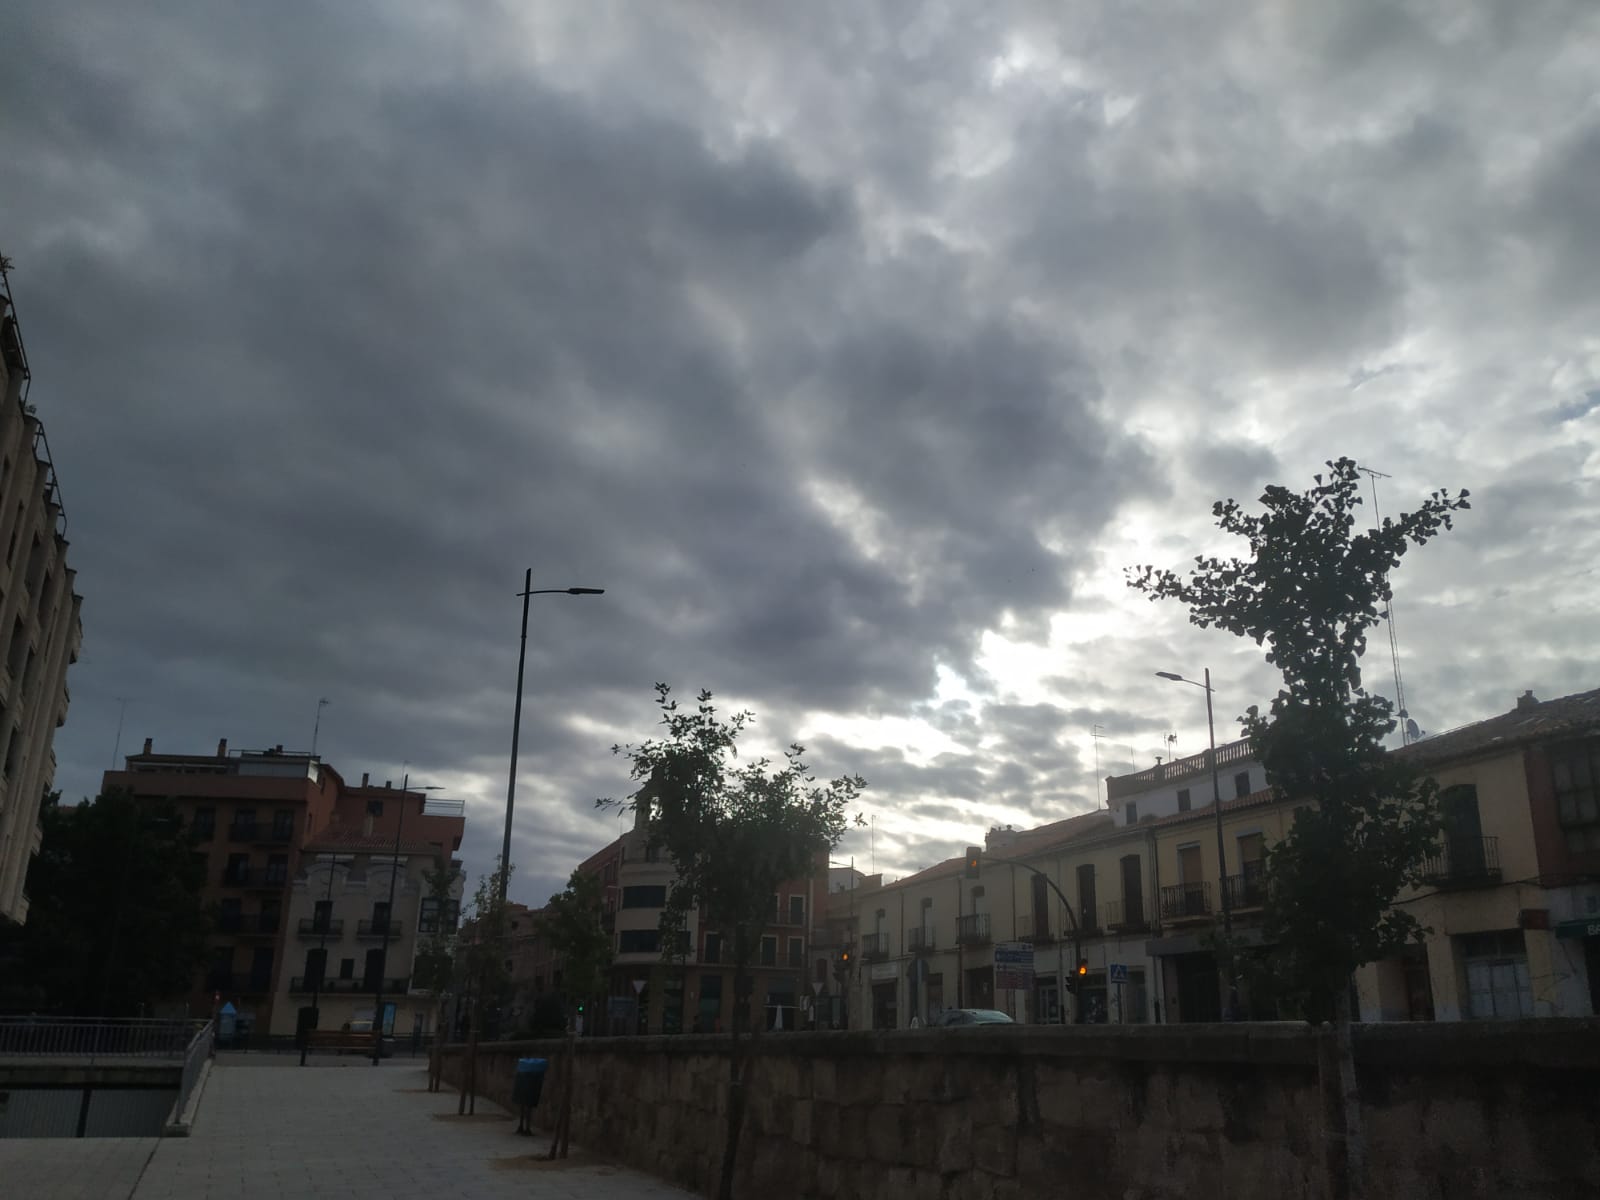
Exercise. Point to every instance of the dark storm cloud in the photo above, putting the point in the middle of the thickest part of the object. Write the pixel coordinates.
(365, 341)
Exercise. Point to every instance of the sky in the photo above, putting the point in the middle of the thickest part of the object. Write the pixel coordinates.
(856, 349)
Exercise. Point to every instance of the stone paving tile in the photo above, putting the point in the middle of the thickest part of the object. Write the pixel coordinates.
(339, 1127)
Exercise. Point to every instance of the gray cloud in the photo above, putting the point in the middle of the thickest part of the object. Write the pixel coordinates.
(831, 339)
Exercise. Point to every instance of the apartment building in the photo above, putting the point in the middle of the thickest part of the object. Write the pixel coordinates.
(252, 814)
(1511, 896)
(359, 911)
(39, 615)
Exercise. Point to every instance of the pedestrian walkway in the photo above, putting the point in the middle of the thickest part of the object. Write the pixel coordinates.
(342, 1127)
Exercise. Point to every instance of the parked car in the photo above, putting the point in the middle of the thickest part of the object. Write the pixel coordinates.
(972, 1016)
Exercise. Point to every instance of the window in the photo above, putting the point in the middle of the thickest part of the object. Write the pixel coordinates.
(652, 852)
(278, 869)
(238, 869)
(713, 947)
(1576, 770)
(380, 915)
(639, 941)
(316, 966)
(650, 896)
(797, 910)
(283, 825)
(1496, 966)
(229, 916)
(797, 952)
(428, 918)
(1132, 890)
(203, 824)
(1130, 814)
(769, 951)
(1183, 800)
(1241, 784)
(322, 916)
(244, 824)
(347, 968)
(1086, 897)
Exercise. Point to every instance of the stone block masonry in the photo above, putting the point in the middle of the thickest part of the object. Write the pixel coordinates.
(1453, 1111)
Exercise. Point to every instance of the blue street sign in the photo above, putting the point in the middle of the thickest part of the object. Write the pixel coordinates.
(1118, 972)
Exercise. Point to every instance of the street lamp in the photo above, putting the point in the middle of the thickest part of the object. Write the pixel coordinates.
(1216, 796)
(388, 920)
(516, 720)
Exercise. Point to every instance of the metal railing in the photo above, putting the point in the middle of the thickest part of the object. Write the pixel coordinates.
(874, 946)
(1185, 901)
(1247, 889)
(972, 929)
(379, 928)
(201, 1047)
(1463, 862)
(920, 939)
(311, 927)
(1032, 929)
(305, 984)
(91, 1037)
(1125, 915)
(243, 831)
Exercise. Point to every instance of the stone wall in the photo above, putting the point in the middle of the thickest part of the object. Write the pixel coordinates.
(1129, 1112)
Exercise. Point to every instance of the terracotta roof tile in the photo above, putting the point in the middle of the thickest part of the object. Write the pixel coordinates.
(1575, 714)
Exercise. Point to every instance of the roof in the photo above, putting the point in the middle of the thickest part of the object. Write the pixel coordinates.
(1209, 812)
(1164, 774)
(1027, 843)
(1531, 720)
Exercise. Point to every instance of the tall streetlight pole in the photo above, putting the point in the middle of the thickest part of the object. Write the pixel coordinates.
(1216, 796)
(528, 590)
(388, 920)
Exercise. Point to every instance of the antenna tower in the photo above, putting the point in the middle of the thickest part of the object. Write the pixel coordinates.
(1394, 634)
(1097, 732)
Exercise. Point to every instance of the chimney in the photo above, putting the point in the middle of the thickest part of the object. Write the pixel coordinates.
(222, 747)
(364, 776)
(148, 742)
(1527, 700)
(388, 785)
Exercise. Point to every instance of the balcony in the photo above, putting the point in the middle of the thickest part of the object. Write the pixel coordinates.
(243, 831)
(1247, 890)
(874, 946)
(269, 879)
(261, 924)
(786, 920)
(1126, 916)
(238, 985)
(1463, 863)
(973, 929)
(310, 927)
(275, 835)
(379, 928)
(1186, 902)
(920, 940)
(236, 877)
(305, 984)
(1031, 929)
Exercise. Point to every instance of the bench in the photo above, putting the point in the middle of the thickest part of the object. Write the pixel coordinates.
(339, 1040)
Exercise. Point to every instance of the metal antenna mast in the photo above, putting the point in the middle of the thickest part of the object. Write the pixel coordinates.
(1097, 732)
(1394, 634)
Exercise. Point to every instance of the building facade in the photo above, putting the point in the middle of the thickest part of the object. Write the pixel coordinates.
(252, 814)
(39, 614)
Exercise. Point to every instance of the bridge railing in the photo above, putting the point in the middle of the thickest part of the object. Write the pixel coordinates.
(96, 1037)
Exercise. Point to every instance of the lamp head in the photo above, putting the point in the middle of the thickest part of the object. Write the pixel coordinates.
(1172, 675)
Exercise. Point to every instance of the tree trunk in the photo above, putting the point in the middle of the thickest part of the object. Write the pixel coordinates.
(436, 1050)
(738, 1078)
(1348, 1144)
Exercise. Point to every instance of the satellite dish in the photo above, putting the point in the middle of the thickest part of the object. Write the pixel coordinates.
(1412, 731)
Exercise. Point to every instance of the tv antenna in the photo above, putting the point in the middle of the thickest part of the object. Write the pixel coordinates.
(1408, 728)
(1097, 732)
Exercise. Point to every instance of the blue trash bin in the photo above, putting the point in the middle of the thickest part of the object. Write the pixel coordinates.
(529, 1081)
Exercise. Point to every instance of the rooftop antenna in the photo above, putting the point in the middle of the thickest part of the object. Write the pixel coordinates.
(1097, 732)
(122, 711)
(317, 728)
(1408, 728)
(1172, 746)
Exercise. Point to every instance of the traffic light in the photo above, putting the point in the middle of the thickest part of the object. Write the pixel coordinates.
(1075, 978)
(974, 859)
(844, 959)
(1083, 967)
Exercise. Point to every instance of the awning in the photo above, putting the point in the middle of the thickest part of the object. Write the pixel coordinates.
(1588, 927)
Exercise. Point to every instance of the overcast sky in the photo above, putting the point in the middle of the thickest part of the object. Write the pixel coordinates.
(855, 349)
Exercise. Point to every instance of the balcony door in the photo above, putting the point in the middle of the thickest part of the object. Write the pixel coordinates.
(316, 967)
(1132, 890)
(1463, 830)
(374, 969)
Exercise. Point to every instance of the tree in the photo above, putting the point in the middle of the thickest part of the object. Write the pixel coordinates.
(482, 970)
(116, 921)
(571, 926)
(435, 966)
(1309, 591)
(734, 834)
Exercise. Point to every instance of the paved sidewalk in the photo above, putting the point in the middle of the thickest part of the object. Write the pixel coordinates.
(341, 1128)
